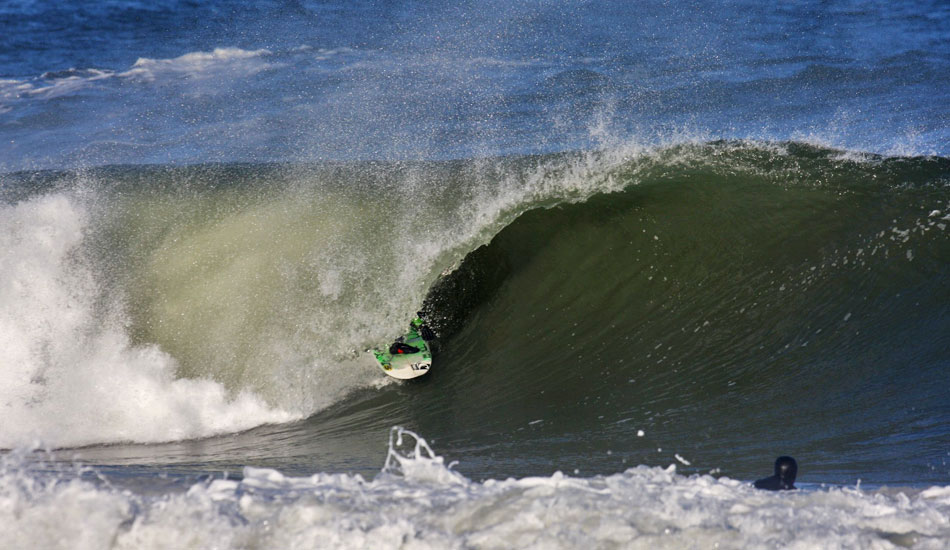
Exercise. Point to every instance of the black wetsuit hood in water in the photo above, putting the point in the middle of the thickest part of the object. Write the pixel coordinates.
(784, 479)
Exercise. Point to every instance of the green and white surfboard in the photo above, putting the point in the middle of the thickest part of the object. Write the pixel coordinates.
(409, 357)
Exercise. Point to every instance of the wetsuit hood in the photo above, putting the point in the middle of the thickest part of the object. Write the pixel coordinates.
(784, 479)
(786, 469)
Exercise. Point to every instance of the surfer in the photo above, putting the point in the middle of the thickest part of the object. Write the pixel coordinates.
(416, 327)
(784, 478)
(420, 328)
(401, 348)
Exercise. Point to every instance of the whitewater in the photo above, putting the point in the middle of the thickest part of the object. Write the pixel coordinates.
(417, 501)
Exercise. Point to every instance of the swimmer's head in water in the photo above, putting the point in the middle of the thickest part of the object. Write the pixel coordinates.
(786, 469)
(784, 479)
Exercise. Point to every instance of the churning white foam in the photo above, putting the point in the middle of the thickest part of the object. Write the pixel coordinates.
(235, 60)
(418, 503)
(228, 63)
(68, 373)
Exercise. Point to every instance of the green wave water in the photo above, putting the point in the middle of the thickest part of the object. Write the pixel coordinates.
(730, 308)
(720, 302)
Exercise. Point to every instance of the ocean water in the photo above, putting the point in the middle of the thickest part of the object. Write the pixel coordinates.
(660, 243)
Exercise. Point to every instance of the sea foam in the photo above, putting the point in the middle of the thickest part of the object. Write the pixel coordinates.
(194, 64)
(68, 372)
(642, 507)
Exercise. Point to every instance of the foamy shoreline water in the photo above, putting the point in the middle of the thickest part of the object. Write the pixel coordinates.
(418, 502)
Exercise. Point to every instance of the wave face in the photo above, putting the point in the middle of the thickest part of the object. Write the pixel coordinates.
(728, 299)
(737, 301)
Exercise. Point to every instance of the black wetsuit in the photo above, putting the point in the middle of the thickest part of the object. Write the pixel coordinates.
(784, 479)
